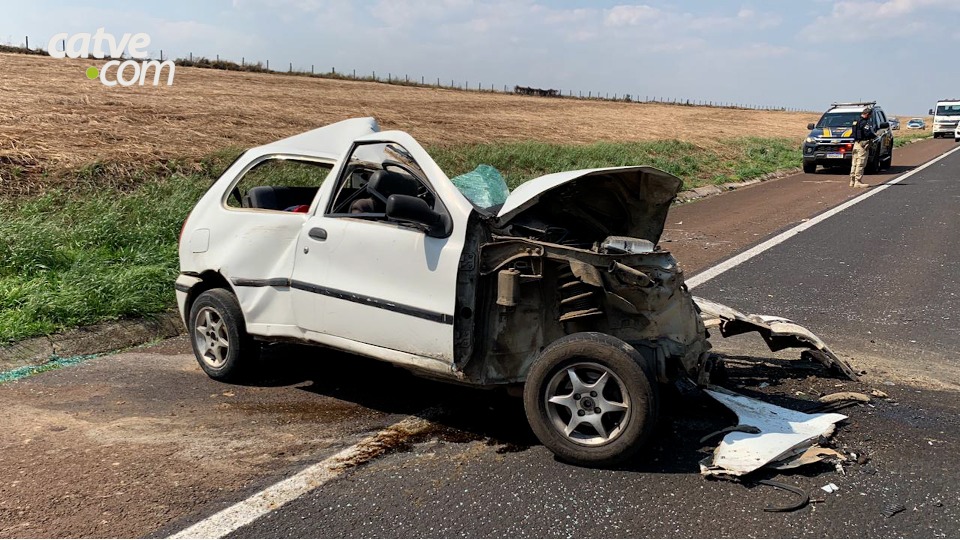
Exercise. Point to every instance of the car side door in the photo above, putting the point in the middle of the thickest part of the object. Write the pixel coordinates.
(259, 217)
(364, 276)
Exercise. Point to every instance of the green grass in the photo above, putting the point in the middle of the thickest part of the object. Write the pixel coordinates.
(734, 160)
(77, 258)
(107, 247)
(908, 136)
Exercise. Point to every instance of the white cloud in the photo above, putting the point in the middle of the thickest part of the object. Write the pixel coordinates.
(865, 20)
(632, 15)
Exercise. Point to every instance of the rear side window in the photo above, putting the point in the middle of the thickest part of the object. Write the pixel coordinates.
(285, 185)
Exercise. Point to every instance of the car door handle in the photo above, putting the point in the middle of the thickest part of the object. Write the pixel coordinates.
(318, 234)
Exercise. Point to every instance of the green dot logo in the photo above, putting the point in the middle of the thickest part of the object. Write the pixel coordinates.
(92, 73)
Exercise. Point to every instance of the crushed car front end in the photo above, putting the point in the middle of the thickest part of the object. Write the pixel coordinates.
(577, 252)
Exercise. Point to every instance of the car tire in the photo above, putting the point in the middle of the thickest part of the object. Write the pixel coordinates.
(889, 159)
(564, 384)
(810, 168)
(219, 337)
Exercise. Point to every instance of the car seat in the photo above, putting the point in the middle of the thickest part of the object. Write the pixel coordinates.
(381, 186)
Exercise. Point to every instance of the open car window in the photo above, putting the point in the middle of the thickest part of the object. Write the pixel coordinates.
(373, 173)
(279, 184)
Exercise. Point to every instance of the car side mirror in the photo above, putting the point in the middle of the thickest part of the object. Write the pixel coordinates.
(811, 126)
(884, 125)
(930, 112)
(415, 210)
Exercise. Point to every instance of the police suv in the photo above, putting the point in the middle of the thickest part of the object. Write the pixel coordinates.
(830, 142)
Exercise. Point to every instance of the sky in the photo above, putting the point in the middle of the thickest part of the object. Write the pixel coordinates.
(791, 53)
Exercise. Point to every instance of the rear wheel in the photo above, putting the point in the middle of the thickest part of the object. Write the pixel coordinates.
(809, 167)
(218, 333)
(591, 399)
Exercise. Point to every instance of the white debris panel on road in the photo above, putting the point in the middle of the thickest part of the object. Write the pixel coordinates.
(779, 435)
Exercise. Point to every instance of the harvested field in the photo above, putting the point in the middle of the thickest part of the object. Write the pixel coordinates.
(53, 120)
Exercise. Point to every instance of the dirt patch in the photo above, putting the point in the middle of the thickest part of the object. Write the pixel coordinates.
(53, 118)
(121, 446)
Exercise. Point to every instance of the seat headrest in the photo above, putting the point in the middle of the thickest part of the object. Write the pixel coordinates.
(387, 183)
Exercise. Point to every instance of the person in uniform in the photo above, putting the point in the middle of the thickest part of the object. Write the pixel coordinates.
(863, 136)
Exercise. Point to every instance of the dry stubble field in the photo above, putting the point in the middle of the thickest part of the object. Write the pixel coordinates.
(52, 118)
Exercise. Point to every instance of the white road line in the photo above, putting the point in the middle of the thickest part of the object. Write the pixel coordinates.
(259, 504)
(741, 258)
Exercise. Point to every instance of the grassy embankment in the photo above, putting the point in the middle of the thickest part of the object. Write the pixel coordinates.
(88, 254)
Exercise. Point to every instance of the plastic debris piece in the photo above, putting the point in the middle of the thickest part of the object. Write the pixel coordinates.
(483, 186)
(800, 503)
(830, 488)
(845, 396)
(779, 333)
(814, 454)
(784, 433)
(741, 428)
(892, 509)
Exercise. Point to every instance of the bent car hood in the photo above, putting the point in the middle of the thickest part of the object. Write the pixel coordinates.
(832, 132)
(615, 201)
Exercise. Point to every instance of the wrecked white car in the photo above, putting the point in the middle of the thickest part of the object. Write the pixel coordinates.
(354, 239)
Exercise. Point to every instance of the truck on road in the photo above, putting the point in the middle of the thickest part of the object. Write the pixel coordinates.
(945, 117)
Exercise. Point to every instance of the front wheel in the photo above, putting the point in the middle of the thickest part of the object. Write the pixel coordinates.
(218, 333)
(809, 167)
(591, 399)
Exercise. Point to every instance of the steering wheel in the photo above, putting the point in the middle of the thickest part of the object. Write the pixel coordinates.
(405, 168)
(422, 191)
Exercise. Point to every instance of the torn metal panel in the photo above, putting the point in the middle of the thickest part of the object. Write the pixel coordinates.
(783, 435)
(779, 333)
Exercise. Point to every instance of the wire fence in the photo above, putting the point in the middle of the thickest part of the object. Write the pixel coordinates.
(288, 68)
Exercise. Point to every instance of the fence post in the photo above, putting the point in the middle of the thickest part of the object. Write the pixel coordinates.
(218, 58)
(243, 61)
(332, 69)
(268, 64)
(26, 39)
(191, 54)
(422, 79)
(311, 69)
(354, 73)
(161, 55)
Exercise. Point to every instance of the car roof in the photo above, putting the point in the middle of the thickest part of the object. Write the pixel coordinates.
(850, 109)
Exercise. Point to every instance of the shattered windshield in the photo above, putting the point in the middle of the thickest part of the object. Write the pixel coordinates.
(483, 186)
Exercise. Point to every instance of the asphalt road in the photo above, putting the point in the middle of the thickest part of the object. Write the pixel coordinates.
(881, 276)
(143, 444)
